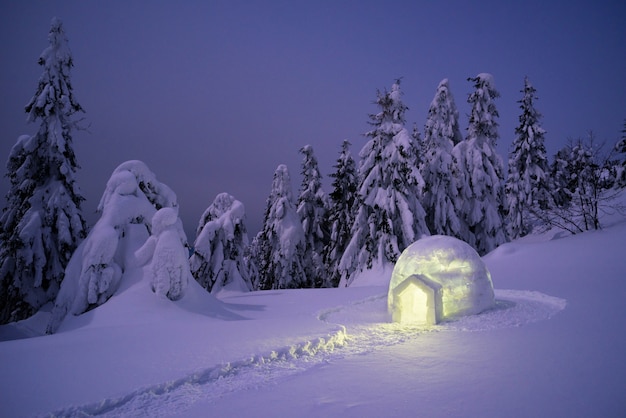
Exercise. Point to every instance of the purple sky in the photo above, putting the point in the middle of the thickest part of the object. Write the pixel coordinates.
(213, 95)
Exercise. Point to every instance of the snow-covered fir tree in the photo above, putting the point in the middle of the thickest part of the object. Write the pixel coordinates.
(341, 212)
(441, 134)
(389, 216)
(279, 246)
(419, 144)
(527, 186)
(43, 223)
(312, 209)
(218, 260)
(480, 200)
(131, 199)
(415, 134)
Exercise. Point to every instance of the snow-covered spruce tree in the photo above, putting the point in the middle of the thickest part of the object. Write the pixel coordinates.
(131, 198)
(218, 259)
(279, 246)
(481, 193)
(312, 208)
(389, 216)
(441, 134)
(43, 223)
(527, 187)
(419, 144)
(341, 212)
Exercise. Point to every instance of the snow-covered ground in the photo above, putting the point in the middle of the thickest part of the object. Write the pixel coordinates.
(553, 346)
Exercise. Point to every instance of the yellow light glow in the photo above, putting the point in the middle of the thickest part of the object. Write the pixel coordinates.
(437, 278)
(417, 301)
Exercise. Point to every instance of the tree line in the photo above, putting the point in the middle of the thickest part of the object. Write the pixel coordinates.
(404, 185)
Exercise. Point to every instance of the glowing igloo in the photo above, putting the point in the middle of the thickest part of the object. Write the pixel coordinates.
(437, 278)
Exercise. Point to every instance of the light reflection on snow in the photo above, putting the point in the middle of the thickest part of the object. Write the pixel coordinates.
(362, 328)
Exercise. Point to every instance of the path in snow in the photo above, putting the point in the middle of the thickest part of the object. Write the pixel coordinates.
(363, 328)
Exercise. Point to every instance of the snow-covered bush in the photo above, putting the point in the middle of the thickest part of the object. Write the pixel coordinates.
(218, 260)
(166, 252)
(130, 200)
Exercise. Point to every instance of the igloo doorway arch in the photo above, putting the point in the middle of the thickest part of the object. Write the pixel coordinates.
(437, 278)
(420, 299)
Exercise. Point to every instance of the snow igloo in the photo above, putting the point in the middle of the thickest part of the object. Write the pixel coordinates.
(438, 278)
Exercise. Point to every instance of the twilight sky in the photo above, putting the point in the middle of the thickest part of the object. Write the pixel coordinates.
(213, 95)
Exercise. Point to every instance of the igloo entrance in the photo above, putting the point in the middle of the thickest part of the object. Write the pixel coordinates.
(438, 278)
(418, 300)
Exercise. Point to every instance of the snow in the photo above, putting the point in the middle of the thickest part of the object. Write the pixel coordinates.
(485, 78)
(388, 189)
(280, 244)
(481, 171)
(552, 346)
(128, 207)
(218, 260)
(167, 256)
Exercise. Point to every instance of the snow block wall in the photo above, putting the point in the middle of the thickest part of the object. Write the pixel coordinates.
(438, 278)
